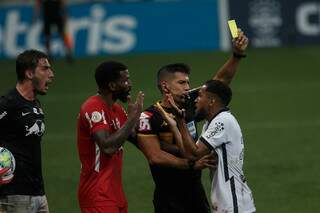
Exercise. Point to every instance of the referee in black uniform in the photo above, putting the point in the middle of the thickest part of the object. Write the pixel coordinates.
(21, 128)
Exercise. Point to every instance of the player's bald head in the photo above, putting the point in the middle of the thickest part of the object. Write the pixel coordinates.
(166, 73)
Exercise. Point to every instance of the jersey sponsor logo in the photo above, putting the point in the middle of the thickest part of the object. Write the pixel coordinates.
(96, 117)
(2, 115)
(37, 128)
(25, 113)
(219, 127)
(144, 121)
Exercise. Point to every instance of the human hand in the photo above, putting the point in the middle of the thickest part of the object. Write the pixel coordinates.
(180, 113)
(168, 117)
(135, 109)
(240, 43)
(207, 161)
(7, 179)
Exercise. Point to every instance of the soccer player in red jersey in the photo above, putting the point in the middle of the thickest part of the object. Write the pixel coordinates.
(103, 126)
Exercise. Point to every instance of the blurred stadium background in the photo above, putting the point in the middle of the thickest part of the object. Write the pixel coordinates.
(275, 89)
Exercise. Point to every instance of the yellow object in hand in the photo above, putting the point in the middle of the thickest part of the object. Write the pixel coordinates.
(233, 28)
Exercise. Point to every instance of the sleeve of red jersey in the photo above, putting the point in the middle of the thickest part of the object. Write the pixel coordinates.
(123, 116)
(95, 117)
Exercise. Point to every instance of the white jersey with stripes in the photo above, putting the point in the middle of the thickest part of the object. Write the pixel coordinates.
(229, 191)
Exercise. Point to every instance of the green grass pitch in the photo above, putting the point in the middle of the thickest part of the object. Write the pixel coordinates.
(275, 99)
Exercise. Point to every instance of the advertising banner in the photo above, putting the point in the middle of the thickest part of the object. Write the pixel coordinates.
(117, 28)
(273, 23)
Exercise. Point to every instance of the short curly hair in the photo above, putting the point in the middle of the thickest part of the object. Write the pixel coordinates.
(108, 71)
(220, 89)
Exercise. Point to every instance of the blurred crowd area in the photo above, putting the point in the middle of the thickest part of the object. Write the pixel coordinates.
(5, 2)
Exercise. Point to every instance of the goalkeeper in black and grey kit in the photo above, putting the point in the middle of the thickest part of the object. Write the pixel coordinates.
(178, 187)
(21, 128)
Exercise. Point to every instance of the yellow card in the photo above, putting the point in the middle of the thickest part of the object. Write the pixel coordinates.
(233, 28)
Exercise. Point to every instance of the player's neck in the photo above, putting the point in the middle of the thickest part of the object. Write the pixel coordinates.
(215, 111)
(164, 102)
(26, 90)
(107, 97)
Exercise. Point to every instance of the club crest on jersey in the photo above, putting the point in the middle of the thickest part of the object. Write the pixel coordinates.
(37, 111)
(96, 117)
(37, 128)
(218, 127)
(144, 121)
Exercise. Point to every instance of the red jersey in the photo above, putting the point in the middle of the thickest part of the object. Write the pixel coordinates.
(100, 177)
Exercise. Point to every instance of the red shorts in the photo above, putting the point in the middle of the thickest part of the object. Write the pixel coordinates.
(104, 209)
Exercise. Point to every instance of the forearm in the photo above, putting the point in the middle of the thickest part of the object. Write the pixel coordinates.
(171, 148)
(190, 147)
(168, 160)
(228, 70)
(114, 141)
(178, 139)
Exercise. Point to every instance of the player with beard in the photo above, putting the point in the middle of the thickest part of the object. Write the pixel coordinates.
(178, 187)
(102, 128)
(221, 134)
(22, 125)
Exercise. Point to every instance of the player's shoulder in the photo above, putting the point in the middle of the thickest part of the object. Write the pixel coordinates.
(225, 118)
(222, 118)
(223, 115)
(94, 100)
(150, 120)
(150, 112)
(118, 108)
(152, 115)
(10, 99)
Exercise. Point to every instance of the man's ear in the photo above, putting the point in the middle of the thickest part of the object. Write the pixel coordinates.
(165, 87)
(112, 86)
(212, 101)
(29, 74)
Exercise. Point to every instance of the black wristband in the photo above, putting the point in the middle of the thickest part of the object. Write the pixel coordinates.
(191, 164)
(237, 55)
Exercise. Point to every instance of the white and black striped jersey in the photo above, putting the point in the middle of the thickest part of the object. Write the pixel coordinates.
(229, 191)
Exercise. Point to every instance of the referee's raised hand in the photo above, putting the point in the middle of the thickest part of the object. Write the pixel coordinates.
(240, 43)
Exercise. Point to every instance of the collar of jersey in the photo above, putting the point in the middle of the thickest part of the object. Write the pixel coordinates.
(221, 110)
